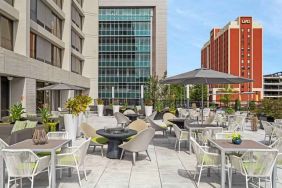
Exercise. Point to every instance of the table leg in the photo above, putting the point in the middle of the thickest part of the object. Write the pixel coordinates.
(222, 169)
(2, 172)
(70, 169)
(53, 168)
(190, 144)
(114, 151)
(274, 176)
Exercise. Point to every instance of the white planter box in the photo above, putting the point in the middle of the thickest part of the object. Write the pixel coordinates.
(70, 122)
(115, 108)
(148, 110)
(80, 119)
(100, 110)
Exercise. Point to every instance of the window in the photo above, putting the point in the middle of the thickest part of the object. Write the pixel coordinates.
(59, 3)
(11, 2)
(43, 16)
(6, 33)
(76, 17)
(32, 45)
(56, 56)
(43, 50)
(76, 41)
(76, 65)
(57, 27)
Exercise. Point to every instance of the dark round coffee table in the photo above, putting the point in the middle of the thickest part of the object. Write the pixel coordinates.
(116, 137)
(132, 117)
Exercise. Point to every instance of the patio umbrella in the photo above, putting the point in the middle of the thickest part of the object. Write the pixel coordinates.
(205, 76)
(60, 86)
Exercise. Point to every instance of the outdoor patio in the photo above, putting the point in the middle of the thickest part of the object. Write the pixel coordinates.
(167, 169)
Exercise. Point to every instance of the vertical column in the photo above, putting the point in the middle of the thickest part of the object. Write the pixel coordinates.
(22, 28)
(90, 46)
(24, 90)
(66, 36)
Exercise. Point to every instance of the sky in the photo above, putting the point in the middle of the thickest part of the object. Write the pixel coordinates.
(190, 22)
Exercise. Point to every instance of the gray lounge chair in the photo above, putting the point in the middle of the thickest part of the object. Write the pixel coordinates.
(139, 143)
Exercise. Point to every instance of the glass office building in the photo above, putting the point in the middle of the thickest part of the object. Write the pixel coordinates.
(125, 58)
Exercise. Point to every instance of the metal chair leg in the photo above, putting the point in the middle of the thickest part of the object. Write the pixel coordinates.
(134, 157)
(148, 155)
(122, 152)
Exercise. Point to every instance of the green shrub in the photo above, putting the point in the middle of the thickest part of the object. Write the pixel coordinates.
(16, 112)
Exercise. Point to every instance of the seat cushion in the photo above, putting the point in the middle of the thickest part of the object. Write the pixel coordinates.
(30, 124)
(19, 125)
(99, 140)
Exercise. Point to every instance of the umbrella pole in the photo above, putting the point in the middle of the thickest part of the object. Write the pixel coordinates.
(202, 103)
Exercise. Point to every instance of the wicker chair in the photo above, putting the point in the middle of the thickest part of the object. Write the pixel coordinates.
(278, 145)
(223, 136)
(158, 127)
(268, 131)
(57, 135)
(3, 144)
(204, 159)
(24, 164)
(121, 119)
(181, 136)
(139, 143)
(129, 111)
(74, 157)
(96, 140)
(254, 164)
(138, 125)
(166, 117)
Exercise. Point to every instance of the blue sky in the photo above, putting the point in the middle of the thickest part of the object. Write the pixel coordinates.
(190, 21)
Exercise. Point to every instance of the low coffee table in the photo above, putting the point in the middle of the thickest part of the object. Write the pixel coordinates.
(132, 117)
(116, 137)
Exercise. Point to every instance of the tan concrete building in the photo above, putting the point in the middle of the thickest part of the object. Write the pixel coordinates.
(57, 41)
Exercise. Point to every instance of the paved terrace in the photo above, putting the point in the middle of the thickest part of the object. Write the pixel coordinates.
(168, 168)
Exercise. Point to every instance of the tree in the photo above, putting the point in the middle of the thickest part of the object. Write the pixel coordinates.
(226, 98)
(196, 92)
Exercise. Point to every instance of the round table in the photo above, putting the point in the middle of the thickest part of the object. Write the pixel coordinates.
(115, 139)
(132, 117)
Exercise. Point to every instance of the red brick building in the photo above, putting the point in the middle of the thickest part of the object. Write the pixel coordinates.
(237, 49)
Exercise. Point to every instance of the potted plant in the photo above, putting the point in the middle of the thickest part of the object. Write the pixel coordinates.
(236, 138)
(47, 123)
(16, 112)
(71, 119)
(83, 102)
(100, 107)
(229, 110)
(115, 106)
(148, 107)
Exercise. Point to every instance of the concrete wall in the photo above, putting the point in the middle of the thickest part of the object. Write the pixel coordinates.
(90, 48)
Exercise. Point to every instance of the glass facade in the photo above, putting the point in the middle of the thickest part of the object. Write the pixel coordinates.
(124, 51)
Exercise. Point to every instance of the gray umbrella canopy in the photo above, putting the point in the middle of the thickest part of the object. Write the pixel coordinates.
(205, 76)
(60, 86)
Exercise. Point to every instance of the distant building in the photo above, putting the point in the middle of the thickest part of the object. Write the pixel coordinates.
(273, 85)
(132, 46)
(237, 49)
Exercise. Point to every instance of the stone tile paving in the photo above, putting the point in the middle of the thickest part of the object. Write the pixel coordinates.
(168, 168)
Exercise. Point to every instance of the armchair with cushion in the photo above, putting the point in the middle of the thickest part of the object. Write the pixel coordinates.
(139, 143)
(12, 137)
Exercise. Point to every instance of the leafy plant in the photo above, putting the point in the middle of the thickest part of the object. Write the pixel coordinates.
(148, 102)
(159, 106)
(252, 105)
(270, 107)
(16, 112)
(100, 102)
(226, 98)
(229, 110)
(237, 104)
(236, 136)
(74, 106)
(45, 115)
(84, 101)
(196, 92)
